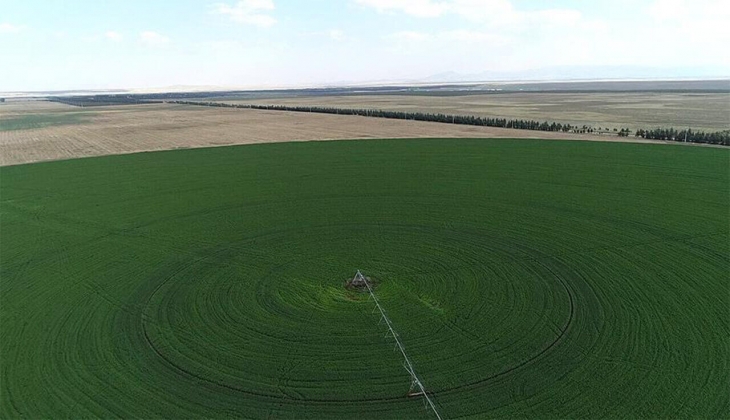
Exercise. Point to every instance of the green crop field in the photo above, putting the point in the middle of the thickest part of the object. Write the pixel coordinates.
(534, 279)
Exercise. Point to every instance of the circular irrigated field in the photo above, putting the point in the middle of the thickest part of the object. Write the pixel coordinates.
(525, 278)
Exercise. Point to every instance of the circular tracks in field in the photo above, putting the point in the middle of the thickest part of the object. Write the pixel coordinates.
(525, 279)
(222, 303)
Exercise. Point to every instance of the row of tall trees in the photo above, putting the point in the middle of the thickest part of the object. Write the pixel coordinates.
(690, 136)
(721, 137)
(417, 116)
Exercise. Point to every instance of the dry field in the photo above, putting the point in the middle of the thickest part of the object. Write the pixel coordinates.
(703, 111)
(72, 132)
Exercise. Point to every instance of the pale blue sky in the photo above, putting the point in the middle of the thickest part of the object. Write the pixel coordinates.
(93, 44)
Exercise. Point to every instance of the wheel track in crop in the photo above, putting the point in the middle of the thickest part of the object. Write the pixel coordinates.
(399, 397)
(581, 296)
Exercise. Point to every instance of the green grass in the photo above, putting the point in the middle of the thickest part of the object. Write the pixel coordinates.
(30, 121)
(526, 278)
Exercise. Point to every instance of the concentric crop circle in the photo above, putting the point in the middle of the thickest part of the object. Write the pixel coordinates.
(300, 312)
(525, 279)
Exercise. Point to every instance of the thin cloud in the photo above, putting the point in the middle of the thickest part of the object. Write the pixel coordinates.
(500, 13)
(9, 28)
(466, 36)
(153, 39)
(419, 8)
(461, 36)
(409, 36)
(113, 36)
(336, 35)
(248, 12)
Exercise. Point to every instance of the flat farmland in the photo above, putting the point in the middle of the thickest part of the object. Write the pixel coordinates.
(699, 111)
(526, 278)
(32, 131)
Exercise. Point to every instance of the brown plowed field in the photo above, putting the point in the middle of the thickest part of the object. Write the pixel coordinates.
(72, 132)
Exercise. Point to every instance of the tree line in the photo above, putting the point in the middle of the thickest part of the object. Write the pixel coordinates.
(417, 116)
(718, 137)
(721, 137)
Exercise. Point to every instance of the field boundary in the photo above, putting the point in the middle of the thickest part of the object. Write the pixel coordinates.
(717, 138)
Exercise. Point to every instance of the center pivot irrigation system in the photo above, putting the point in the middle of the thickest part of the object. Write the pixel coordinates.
(417, 388)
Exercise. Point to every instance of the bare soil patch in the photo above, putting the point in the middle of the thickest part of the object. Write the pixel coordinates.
(139, 128)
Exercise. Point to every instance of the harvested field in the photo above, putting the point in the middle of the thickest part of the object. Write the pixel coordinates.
(138, 128)
(700, 111)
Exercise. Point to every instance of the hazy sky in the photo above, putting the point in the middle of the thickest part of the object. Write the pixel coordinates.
(100, 44)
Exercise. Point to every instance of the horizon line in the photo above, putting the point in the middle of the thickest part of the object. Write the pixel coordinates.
(344, 85)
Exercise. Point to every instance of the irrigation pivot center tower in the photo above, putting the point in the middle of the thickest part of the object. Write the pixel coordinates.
(416, 384)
